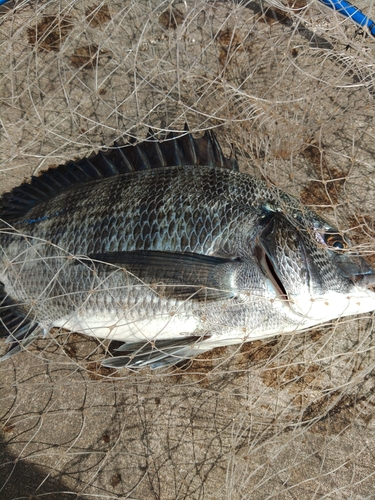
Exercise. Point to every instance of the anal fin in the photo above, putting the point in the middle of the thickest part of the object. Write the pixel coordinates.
(157, 354)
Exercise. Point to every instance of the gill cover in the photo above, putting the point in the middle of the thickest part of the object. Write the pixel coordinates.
(302, 266)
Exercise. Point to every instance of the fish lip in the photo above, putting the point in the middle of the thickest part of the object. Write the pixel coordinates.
(366, 280)
(268, 268)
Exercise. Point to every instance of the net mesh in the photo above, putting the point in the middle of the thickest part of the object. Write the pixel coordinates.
(288, 86)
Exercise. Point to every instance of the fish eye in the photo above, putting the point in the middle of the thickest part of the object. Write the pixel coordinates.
(339, 245)
(335, 241)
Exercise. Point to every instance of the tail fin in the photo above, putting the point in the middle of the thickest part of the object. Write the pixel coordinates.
(15, 324)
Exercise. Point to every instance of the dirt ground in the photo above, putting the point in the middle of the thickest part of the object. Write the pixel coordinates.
(290, 91)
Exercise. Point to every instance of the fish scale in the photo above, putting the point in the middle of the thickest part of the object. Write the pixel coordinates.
(139, 245)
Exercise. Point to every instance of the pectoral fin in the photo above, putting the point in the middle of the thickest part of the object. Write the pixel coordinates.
(178, 275)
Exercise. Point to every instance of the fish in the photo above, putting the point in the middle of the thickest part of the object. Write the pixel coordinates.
(169, 249)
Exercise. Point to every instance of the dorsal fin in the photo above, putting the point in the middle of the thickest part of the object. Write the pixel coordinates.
(174, 151)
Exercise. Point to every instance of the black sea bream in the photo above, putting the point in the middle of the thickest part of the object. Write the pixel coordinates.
(167, 247)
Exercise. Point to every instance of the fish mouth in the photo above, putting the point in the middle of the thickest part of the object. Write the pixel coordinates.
(364, 280)
(356, 269)
(270, 272)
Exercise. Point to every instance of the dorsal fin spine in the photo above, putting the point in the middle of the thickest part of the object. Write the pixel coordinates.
(124, 161)
(178, 153)
(142, 157)
(91, 171)
(112, 170)
(217, 151)
(191, 145)
(210, 152)
(159, 154)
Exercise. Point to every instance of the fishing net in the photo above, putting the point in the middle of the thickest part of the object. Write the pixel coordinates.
(288, 87)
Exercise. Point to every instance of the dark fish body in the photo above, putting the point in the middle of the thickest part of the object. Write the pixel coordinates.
(169, 243)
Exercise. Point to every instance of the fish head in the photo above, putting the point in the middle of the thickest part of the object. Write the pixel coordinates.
(312, 267)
